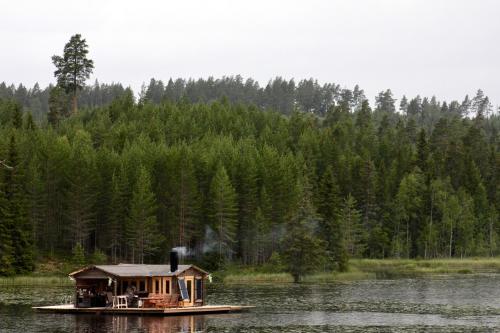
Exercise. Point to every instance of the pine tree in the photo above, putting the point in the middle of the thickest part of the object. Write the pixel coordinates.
(481, 105)
(73, 68)
(223, 212)
(403, 105)
(385, 102)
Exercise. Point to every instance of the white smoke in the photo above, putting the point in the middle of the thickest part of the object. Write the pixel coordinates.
(210, 241)
(182, 251)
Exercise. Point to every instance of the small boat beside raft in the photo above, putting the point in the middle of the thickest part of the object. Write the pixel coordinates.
(141, 289)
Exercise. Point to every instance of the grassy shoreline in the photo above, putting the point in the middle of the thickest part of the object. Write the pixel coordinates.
(35, 280)
(364, 269)
(359, 269)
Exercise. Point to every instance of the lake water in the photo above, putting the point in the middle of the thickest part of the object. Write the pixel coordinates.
(468, 303)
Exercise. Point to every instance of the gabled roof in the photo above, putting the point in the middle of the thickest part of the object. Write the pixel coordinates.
(137, 270)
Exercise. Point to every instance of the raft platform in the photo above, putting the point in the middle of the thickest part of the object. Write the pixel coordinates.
(205, 309)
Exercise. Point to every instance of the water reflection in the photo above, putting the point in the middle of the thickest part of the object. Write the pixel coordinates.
(149, 324)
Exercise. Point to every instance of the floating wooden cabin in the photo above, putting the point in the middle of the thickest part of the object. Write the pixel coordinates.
(179, 287)
(141, 289)
(140, 286)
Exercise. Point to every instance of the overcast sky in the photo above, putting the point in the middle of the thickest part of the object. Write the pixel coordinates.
(446, 48)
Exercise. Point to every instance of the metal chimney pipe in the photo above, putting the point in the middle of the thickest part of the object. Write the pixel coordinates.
(174, 261)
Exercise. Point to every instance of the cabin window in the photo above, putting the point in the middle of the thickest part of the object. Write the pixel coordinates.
(199, 289)
(142, 285)
(166, 288)
(133, 284)
(157, 286)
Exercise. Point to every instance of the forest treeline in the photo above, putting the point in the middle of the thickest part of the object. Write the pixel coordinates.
(280, 95)
(239, 178)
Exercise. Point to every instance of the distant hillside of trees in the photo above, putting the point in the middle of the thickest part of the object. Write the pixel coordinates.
(236, 173)
(280, 95)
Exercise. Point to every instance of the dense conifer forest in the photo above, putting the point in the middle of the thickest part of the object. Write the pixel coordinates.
(246, 174)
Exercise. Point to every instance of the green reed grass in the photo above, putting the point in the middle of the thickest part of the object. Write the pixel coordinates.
(363, 269)
(36, 281)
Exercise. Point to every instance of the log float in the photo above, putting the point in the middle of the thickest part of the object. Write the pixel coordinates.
(205, 309)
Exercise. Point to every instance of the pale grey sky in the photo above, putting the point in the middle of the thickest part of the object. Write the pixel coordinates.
(446, 48)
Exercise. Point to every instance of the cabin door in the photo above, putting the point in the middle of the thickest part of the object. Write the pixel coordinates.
(190, 290)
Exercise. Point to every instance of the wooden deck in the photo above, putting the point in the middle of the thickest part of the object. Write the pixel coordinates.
(206, 309)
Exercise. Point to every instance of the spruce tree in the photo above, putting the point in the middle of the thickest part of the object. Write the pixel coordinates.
(331, 227)
(246, 187)
(58, 105)
(16, 212)
(303, 251)
(223, 212)
(264, 226)
(81, 190)
(354, 233)
(116, 223)
(30, 123)
(6, 248)
(422, 151)
(465, 226)
(78, 258)
(143, 236)
(186, 205)
(17, 116)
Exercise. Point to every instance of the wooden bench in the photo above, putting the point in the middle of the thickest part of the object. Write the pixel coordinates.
(161, 301)
(150, 301)
(168, 301)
